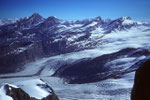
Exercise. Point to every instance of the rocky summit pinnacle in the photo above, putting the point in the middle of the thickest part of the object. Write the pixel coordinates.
(36, 16)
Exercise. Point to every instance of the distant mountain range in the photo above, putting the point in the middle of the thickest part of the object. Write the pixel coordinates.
(28, 39)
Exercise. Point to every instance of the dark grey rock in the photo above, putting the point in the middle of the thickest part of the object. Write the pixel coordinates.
(141, 87)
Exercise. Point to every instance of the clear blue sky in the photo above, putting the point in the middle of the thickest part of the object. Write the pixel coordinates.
(76, 9)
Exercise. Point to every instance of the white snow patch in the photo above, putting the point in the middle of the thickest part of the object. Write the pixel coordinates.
(98, 30)
(71, 28)
(34, 88)
(74, 37)
(128, 22)
(92, 24)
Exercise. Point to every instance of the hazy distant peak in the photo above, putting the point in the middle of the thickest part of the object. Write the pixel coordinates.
(52, 17)
(98, 18)
(36, 16)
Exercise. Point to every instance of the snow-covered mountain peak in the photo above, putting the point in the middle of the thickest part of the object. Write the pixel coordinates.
(125, 18)
(128, 21)
(98, 18)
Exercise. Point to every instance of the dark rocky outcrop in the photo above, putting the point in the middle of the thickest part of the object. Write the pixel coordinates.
(16, 93)
(19, 94)
(141, 89)
(17, 54)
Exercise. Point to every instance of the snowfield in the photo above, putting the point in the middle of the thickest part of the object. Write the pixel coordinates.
(115, 89)
(110, 89)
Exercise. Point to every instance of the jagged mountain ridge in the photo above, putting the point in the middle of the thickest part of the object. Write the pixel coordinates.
(35, 28)
(35, 37)
(53, 26)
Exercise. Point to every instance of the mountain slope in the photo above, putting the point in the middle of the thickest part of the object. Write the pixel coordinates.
(47, 37)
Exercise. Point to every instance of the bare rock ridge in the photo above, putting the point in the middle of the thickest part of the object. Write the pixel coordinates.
(141, 87)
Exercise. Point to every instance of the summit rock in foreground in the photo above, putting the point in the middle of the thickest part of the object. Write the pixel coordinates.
(27, 90)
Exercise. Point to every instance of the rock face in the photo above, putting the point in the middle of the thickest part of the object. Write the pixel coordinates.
(17, 93)
(141, 89)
